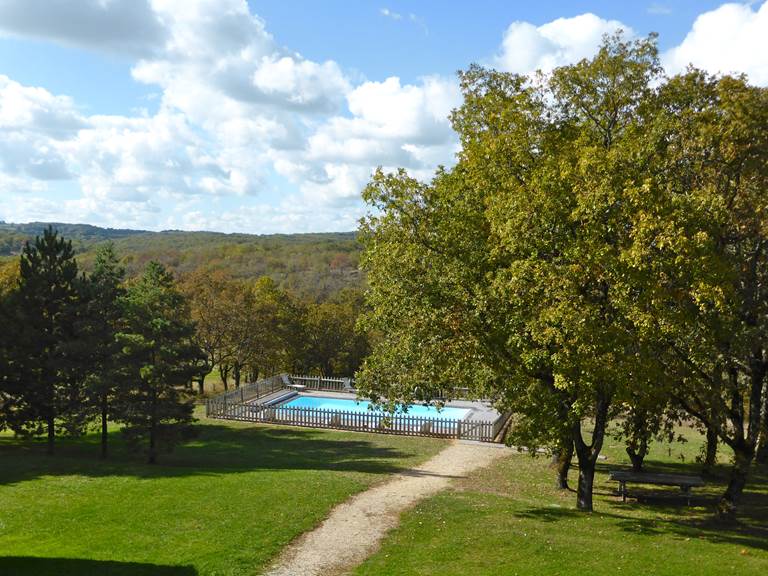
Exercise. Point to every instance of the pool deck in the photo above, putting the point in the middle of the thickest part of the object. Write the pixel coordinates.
(479, 410)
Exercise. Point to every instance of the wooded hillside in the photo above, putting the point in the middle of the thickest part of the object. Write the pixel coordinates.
(312, 266)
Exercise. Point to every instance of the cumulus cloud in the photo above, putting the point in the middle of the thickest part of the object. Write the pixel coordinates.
(390, 125)
(236, 111)
(33, 126)
(123, 26)
(250, 136)
(526, 48)
(731, 38)
(217, 48)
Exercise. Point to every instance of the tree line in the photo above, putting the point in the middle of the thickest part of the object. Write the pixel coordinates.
(310, 266)
(248, 330)
(85, 349)
(598, 253)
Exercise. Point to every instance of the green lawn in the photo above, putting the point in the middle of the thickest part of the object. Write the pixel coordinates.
(223, 504)
(509, 520)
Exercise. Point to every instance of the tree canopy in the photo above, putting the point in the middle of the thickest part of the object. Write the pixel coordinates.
(569, 264)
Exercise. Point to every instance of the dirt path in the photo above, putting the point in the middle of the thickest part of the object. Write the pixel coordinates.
(354, 528)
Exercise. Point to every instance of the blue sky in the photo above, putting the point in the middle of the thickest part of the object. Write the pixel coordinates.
(270, 116)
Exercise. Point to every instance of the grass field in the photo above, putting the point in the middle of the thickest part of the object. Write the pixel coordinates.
(225, 503)
(510, 520)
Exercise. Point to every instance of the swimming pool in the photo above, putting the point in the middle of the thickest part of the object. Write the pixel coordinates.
(344, 405)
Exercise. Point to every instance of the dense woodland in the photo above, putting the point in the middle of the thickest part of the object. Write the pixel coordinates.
(311, 266)
(88, 347)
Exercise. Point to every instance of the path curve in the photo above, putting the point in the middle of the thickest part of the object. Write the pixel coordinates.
(354, 528)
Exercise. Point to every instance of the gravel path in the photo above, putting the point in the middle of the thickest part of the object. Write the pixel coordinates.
(354, 528)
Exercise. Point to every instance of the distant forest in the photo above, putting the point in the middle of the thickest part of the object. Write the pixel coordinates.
(311, 266)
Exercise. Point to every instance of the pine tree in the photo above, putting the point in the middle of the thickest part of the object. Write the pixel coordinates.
(105, 315)
(159, 357)
(43, 351)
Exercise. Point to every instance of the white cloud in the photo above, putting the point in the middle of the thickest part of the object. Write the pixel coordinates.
(33, 125)
(300, 82)
(389, 14)
(123, 26)
(391, 125)
(731, 38)
(658, 9)
(527, 48)
(251, 136)
(138, 159)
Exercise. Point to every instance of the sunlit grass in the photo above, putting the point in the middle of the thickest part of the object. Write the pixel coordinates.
(225, 503)
(509, 519)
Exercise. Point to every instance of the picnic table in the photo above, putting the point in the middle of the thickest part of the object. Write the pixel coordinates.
(684, 481)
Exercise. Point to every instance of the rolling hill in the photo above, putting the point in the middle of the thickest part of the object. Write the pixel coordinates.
(312, 266)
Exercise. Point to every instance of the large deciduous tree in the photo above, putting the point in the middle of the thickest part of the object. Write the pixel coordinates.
(700, 250)
(213, 302)
(601, 242)
(506, 274)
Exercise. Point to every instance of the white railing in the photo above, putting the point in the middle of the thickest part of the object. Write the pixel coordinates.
(253, 391)
(321, 383)
(243, 405)
(372, 421)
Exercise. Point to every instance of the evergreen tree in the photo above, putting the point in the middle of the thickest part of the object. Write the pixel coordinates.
(105, 316)
(160, 358)
(43, 351)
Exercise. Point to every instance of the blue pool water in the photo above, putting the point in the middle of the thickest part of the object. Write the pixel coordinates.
(353, 406)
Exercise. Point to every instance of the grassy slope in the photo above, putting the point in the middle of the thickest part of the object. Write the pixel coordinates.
(223, 504)
(509, 520)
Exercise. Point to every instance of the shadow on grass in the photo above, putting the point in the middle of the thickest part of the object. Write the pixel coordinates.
(219, 449)
(663, 512)
(27, 566)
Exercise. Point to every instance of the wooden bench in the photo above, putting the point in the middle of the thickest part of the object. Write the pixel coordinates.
(685, 482)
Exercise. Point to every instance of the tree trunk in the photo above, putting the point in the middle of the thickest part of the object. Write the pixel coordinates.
(152, 445)
(104, 426)
(730, 499)
(761, 456)
(224, 373)
(762, 448)
(236, 374)
(586, 482)
(587, 453)
(51, 425)
(710, 450)
(201, 385)
(153, 430)
(637, 458)
(562, 461)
